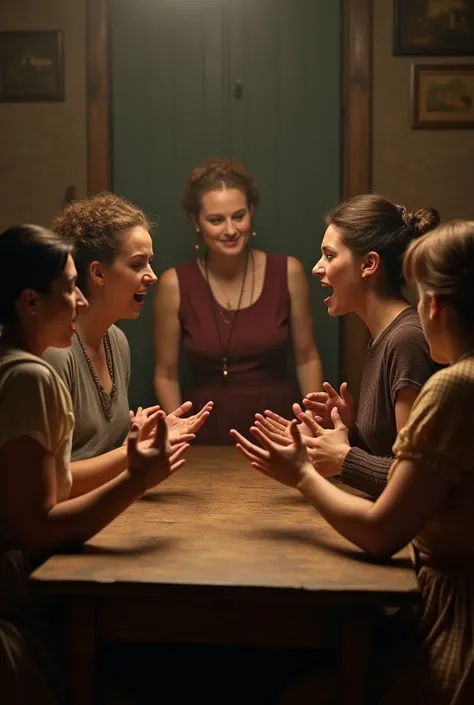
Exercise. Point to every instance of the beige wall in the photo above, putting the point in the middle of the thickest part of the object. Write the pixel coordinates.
(43, 145)
(424, 167)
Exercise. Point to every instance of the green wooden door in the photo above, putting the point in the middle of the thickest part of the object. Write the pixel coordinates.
(176, 65)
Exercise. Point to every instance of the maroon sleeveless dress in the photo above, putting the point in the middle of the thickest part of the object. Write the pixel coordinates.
(257, 356)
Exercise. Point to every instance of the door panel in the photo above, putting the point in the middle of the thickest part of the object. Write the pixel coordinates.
(175, 64)
(286, 129)
(168, 116)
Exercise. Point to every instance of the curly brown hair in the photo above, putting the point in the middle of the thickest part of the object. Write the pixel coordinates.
(214, 174)
(94, 226)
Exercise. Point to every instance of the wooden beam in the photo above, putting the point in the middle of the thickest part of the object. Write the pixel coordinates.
(98, 98)
(357, 155)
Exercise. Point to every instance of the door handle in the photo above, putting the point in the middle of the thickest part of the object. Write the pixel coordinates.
(238, 90)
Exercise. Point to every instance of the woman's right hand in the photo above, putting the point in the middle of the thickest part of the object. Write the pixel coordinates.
(322, 403)
(150, 464)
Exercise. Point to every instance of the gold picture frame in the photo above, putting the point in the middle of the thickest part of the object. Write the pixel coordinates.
(443, 96)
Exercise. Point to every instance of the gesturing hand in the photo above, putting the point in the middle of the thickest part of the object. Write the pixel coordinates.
(145, 419)
(277, 425)
(179, 428)
(322, 403)
(151, 463)
(288, 464)
(329, 447)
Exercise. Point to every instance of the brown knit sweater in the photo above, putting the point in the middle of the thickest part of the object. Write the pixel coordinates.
(398, 358)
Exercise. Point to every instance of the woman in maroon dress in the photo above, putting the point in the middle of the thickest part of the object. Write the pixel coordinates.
(236, 310)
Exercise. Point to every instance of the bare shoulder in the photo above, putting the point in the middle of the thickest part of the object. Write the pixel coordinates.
(167, 296)
(169, 280)
(295, 268)
(168, 283)
(296, 277)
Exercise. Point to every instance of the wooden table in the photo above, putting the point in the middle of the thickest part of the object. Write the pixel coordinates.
(221, 554)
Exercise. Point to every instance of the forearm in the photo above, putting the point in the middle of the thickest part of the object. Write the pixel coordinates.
(365, 472)
(310, 375)
(89, 474)
(168, 392)
(77, 520)
(351, 516)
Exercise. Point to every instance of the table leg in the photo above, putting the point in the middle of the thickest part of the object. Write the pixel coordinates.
(81, 651)
(356, 652)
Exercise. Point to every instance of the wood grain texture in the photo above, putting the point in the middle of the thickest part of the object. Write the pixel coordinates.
(222, 555)
(98, 98)
(220, 528)
(357, 156)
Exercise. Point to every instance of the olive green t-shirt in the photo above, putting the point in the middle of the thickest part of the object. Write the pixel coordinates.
(93, 433)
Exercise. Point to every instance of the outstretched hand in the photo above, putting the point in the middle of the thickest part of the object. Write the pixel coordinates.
(180, 429)
(152, 462)
(274, 425)
(320, 404)
(288, 464)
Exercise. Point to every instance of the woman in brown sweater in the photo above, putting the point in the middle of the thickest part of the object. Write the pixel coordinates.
(430, 494)
(361, 262)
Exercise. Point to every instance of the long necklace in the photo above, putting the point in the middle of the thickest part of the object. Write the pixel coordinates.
(225, 348)
(105, 399)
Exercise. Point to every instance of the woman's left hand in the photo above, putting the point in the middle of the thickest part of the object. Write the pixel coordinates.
(288, 464)
(329, 447)
(179, 428)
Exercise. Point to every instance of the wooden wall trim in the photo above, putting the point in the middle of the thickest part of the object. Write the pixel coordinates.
(98, 98)
(357, 155)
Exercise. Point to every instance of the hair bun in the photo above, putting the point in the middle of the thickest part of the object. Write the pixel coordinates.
(422, 220)
(213, 174)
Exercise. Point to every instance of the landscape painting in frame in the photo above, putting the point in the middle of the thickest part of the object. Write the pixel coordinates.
(31, 66)
(443, 96)
(434, 27)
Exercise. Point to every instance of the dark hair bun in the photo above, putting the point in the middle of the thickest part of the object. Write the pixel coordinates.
(422, 220)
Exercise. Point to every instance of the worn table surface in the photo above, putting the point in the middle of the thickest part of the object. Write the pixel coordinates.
(220, 525)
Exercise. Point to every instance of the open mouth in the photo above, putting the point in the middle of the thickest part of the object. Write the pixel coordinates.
(327, 300)
(139, 298)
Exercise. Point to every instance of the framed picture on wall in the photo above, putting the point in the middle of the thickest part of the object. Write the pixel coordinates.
(443, 96)
(434, 27)
(31, 66)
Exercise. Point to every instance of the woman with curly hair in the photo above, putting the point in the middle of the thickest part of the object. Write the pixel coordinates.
(236, 309)
(113, 251)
